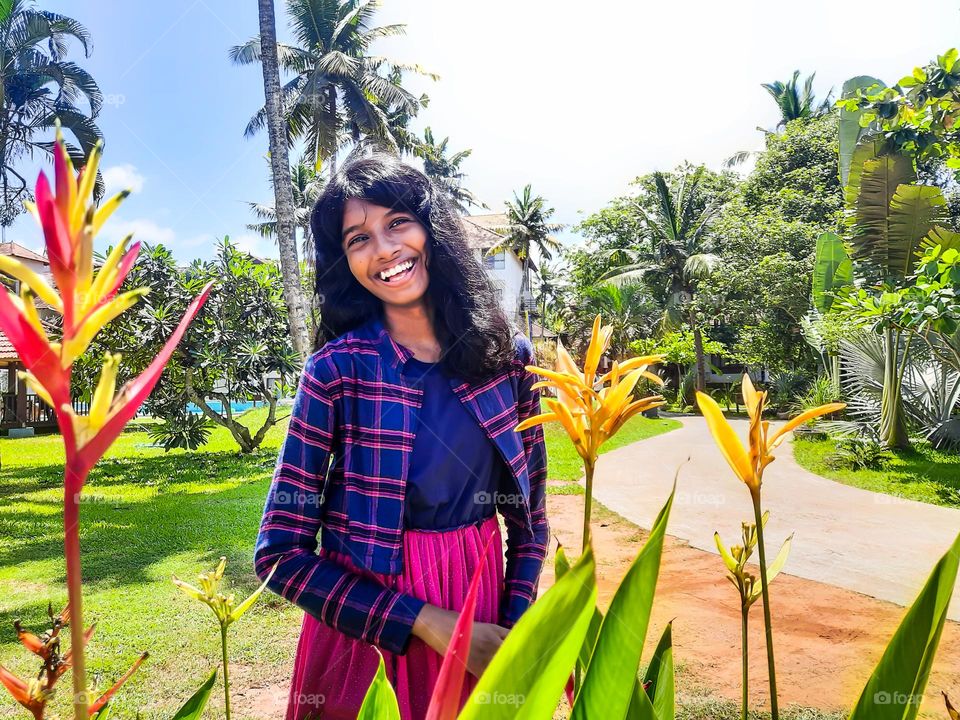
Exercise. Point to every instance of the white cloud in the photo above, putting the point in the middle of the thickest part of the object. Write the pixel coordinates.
(143, 229)
(122, 177)
(255, 245)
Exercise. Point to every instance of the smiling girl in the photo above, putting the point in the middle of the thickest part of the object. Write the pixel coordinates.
(401, 452)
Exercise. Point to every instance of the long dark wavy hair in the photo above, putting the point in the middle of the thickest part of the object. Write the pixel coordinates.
(475, 337)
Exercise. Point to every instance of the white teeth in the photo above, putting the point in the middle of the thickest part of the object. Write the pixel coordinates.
(396, 269)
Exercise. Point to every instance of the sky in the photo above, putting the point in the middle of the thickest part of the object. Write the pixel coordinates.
(577, 99)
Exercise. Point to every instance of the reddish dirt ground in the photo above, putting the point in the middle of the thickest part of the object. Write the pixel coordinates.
(827, 640)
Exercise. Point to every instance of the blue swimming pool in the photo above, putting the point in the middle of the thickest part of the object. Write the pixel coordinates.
(217, 406)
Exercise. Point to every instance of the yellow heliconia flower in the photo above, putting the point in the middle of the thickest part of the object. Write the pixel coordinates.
(223, 606)
(748, 463)
(591, 416)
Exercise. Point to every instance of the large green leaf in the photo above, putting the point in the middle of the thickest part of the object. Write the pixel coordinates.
(832, 270)
(870, 148)
(895, 689)
(607, 689)
(527, 675)
(6, 7)
(561, 566)
(380, 702)
(914, 212)
(850, 130)
(870, 237)
(193, 708)
(941, 236)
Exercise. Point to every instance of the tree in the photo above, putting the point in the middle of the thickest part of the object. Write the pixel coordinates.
(340, 92)
(40, 87)
(236, 350)
(795, 103)
(307, 184)
(767, 233)
(275, 121)
(528, 229)
(445, 171)
(675, 252)
(627, 308)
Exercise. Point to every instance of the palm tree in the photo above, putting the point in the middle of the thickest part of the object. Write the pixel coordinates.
(627, 308)
(527, 229)
(283, 192)
(793, 102)
(445, 171)
(40, 86)
(307, 185)
(339, 93)
(677, 258)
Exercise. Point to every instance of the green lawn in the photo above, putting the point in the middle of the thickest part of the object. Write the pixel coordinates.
(920, 474)
(148, 515)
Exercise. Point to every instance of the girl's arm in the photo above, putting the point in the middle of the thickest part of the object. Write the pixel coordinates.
(353, 604)
(526, 550)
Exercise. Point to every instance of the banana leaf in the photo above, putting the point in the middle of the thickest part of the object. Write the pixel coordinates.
(850, 130)
(895, 689)
(832, 270)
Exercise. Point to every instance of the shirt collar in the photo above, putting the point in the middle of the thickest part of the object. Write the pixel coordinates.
(392, 351)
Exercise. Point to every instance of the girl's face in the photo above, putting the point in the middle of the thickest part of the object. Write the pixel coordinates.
(376, 240)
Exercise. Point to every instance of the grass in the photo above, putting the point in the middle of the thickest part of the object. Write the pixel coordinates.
(148, 515)
(564, 463)
(922, 474)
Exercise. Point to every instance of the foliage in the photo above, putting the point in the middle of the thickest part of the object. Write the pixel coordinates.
(918, 115)
(188, 431)
(445, 171)
(677, 346)
(767, 234)
(237, 344)
(795, 104)
(307, 184)
(859, 453)
(340, 93)
(41, 87)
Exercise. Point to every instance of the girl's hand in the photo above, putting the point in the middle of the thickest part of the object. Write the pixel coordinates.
(435, 627)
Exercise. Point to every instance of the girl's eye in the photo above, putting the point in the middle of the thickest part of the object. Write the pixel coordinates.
(398, 221)
(355, 238)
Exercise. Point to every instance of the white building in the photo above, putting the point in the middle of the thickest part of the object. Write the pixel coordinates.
(504, 267)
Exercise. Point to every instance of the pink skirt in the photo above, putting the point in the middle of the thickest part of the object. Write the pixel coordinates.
(332, 671)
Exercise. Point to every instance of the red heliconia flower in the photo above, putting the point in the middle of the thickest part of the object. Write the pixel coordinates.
(29, 694)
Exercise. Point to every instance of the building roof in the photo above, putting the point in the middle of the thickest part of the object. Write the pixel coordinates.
(482, 231)
(17, 250)
(7, 352)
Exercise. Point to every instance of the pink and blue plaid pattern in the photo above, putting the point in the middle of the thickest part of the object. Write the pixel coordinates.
(342, 470)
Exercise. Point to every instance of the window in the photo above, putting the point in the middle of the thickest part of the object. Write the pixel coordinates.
(497, 261)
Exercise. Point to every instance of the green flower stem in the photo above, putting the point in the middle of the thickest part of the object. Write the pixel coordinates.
(765, 590)
(587, 503)
(71, 549)
(744, 617)
(226, 670)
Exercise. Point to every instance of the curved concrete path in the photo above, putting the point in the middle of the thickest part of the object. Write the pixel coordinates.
(874, 544)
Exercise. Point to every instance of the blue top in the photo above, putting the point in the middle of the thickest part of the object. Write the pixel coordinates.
(455, 471)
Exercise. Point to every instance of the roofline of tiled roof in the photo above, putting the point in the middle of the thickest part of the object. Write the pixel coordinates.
(18, 250)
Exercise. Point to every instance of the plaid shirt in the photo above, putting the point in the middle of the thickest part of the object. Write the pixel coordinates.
(354, 405)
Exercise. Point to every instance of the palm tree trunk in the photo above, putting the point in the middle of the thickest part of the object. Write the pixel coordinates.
(698, 349)
(283, 192)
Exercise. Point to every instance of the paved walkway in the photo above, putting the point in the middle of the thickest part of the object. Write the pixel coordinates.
(875, 544)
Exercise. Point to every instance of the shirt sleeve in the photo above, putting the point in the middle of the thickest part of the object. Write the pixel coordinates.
(354, 604)
(527, 547)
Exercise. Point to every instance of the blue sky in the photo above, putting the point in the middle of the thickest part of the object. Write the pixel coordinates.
(577, 104)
